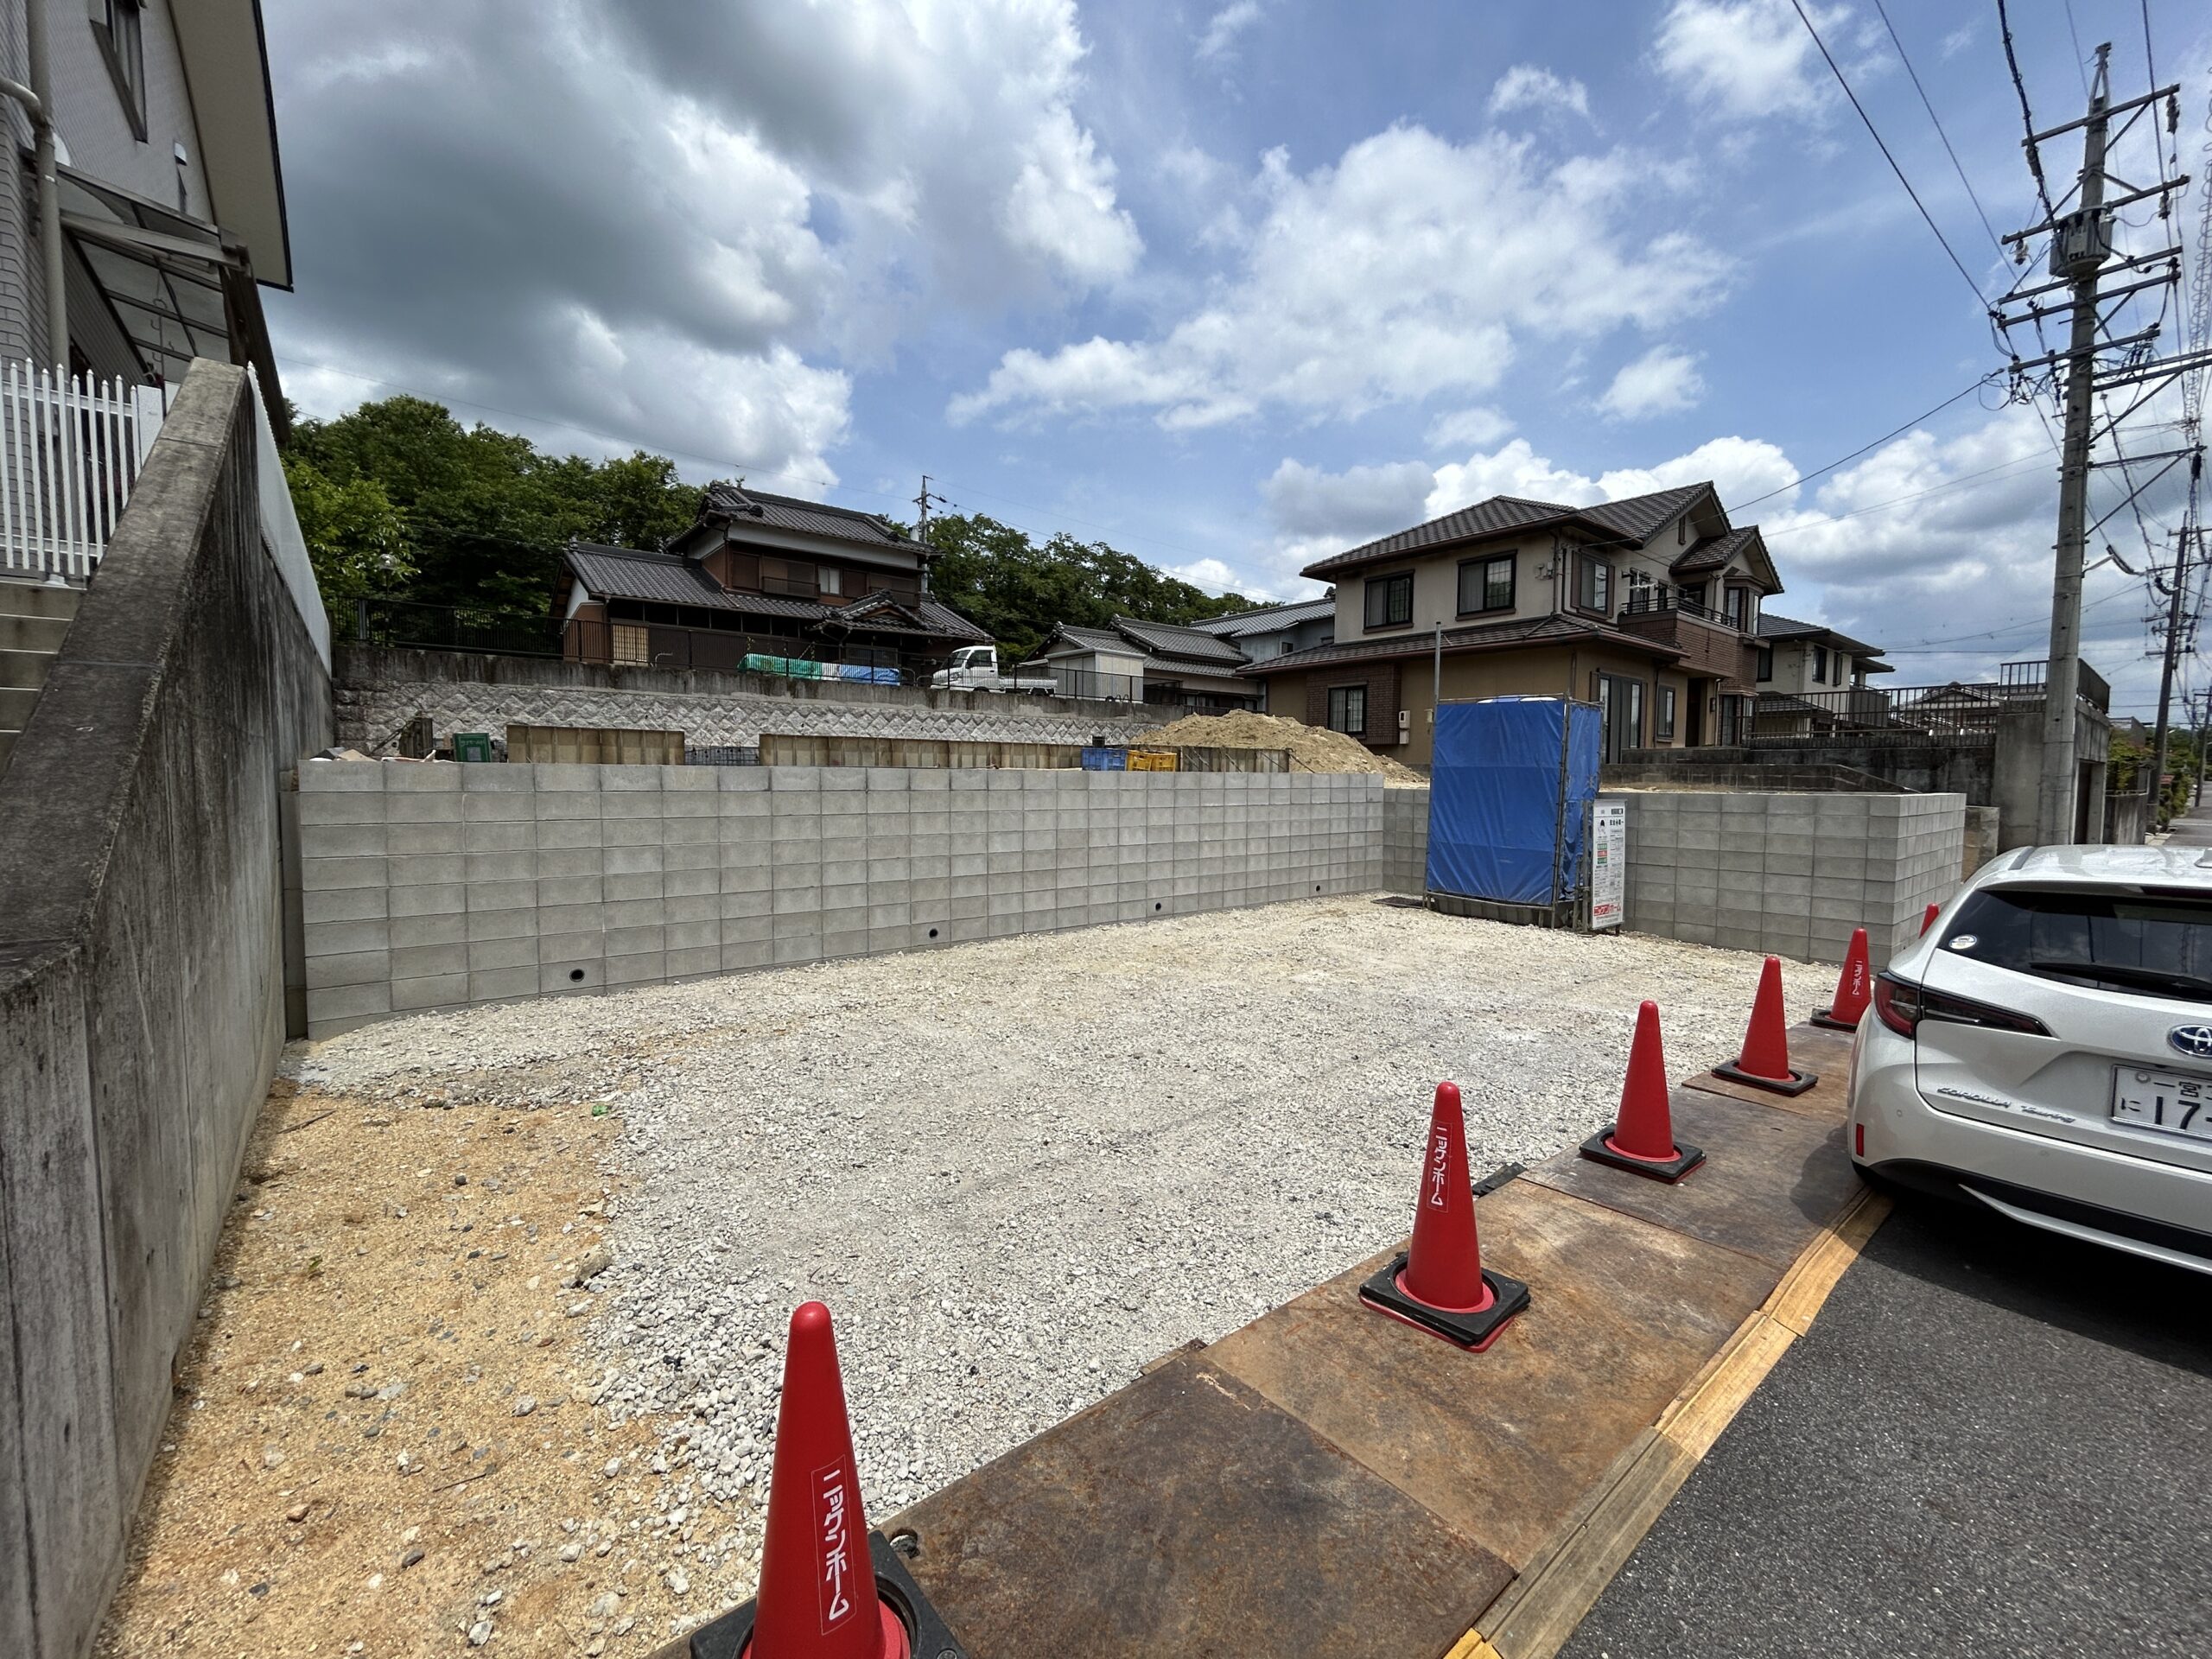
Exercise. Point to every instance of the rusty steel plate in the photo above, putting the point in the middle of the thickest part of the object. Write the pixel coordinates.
(1826, 1053)
(1502, 1444)
(1771, 1179)
(1187, 1515)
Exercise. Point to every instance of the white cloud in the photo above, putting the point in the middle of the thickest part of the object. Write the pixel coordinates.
(1407, 269)
(1661, 382)
(1749, 59)
(1466, 428)
(1528, 87)
(1739, 469)
(659, 223)
(1222, 30)
(1061, 207)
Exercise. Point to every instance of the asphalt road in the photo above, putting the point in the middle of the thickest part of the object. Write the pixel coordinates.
(1991, 1442)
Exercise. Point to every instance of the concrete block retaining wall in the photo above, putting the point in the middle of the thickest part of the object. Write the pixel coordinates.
(435, 886)
(1790, 875)
(1404, 840)
(380, 690)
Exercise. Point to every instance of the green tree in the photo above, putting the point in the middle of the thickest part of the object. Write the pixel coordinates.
(356, 539)
(486, 515)
(1000, 580)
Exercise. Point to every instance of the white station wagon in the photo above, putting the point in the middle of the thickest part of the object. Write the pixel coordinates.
(2045, 1048)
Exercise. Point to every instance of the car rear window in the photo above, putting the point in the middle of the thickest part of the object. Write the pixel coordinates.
(2154, 942)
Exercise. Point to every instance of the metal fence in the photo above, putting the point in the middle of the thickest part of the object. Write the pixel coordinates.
(2026, 681)
(69, 454)
(1653, 598)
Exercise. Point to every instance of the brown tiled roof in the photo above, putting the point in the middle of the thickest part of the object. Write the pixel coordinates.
(1773, 627)
(1633, 519)
(671, 579)
(1494, 636)
(1713, 552)
(732, 504)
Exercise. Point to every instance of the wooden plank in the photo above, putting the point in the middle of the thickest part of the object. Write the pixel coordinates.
(1539, 1623)
(1803, 1291)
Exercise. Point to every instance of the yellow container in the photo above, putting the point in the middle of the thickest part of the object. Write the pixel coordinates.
(1153, 761)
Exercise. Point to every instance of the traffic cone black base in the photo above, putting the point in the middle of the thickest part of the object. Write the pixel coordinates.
(1599, 1148)
(1474, 1329)
(1828, 1021)
(927, 1637)
(1796, 1083)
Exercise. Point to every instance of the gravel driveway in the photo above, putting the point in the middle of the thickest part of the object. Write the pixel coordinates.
(1016, 1170)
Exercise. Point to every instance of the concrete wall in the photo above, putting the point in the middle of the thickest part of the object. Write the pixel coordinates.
(430, 886)
(1983, 823)
(1787, 875)
(142, 1002)
(1405, 841)
(1933, 770)
(379, 689)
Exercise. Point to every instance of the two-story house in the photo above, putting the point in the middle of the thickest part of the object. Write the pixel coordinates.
(166, 189)
(772, 578)
(1277, 630)
(1647, 606)
(1803, 658)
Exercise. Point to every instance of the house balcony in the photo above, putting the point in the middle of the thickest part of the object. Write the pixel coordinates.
(1710, 643)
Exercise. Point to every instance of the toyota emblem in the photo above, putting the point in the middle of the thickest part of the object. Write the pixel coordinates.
(2196, 1041)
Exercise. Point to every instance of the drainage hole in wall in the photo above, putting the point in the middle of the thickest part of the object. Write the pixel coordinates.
(933, 932)
(1155, 904)
(1317, 887)
(576, 972)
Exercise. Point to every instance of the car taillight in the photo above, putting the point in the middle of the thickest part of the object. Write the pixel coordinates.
(1901, 1005)
(1897, 1004)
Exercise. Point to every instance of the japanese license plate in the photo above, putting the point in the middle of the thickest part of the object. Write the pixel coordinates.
(2159, 1100)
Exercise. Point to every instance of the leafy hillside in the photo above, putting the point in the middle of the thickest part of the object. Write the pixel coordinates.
(399, 498)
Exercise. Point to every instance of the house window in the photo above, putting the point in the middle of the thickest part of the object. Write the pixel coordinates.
(1390, 601)
(1733, 604)
(1694, 596)
(1820, 664)
(833, 581)
(120, 26)
(1486, 585)
(1663, 720)
(1594, 586)
(1766, 663)
(794, 578)
(631, 645)
(1285, 648)
(1681, 532)
(1348, 709)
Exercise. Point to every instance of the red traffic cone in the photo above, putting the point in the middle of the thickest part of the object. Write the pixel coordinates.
(1854, 988)
(817, 1584)
(1642, 1139)
(1439, 1284)
(1765, 1062)
(1928, 917)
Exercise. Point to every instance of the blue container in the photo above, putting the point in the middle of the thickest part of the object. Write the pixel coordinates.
(1098, 759)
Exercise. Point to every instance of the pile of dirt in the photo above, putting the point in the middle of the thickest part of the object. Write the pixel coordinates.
(1313, 748)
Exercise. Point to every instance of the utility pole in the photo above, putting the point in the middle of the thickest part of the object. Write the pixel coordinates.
(2079, 249)
(922, 529)
(2176, 585)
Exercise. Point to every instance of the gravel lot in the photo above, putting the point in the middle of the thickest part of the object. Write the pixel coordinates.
(1017, 1170)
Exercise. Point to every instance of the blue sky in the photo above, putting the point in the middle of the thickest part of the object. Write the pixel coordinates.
(1234, 286)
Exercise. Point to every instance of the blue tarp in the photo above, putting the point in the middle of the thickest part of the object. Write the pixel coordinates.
(1495, 816)
(1104, 759)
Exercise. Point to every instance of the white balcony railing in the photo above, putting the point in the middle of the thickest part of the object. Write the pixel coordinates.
(69, 454)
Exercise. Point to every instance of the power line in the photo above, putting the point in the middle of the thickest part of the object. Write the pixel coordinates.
(2027, 116)
(1925, 105)
(1834, 68)
(1893, 432)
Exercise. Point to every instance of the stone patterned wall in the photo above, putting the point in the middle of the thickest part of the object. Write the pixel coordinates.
(378, 691)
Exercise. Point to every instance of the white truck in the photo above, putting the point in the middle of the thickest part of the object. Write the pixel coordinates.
(976, 668)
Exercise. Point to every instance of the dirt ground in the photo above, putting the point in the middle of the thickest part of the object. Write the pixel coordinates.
(1313, 748)
(384, 1440)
